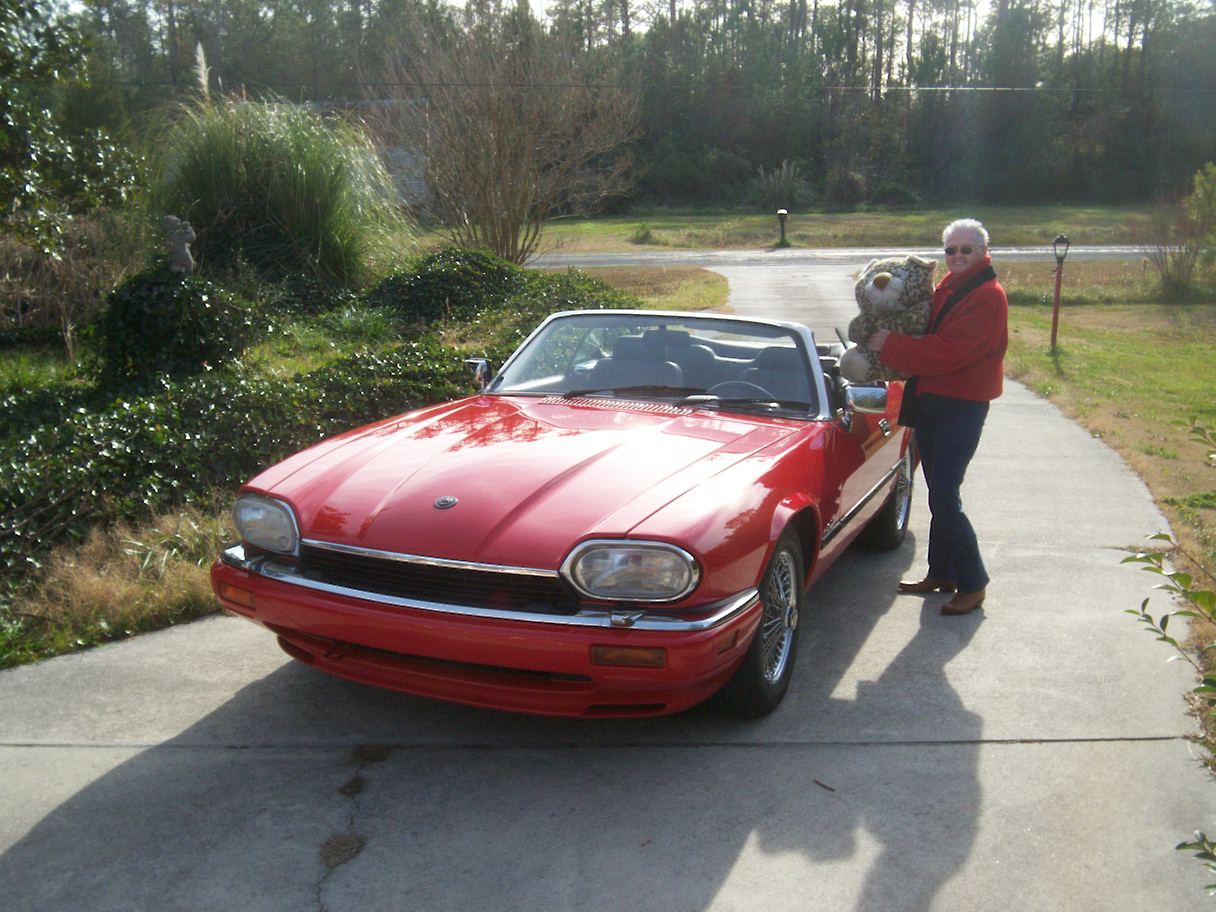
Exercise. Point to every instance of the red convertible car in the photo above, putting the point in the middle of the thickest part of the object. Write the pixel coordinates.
(623, 522)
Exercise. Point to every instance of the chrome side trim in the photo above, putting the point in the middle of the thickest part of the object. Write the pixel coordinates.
(429, 561)
(836, 527)
(713, 615)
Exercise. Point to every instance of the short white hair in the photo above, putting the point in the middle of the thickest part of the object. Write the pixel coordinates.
(966, 224)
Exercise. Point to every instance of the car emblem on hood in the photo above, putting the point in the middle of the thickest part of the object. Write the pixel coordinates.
(446, 502)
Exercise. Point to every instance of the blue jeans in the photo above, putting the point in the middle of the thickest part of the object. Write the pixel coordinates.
(947, 434)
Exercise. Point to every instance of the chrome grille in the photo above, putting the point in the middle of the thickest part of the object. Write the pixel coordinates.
(462, 585)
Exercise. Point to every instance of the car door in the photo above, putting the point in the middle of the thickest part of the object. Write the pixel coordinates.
(862, 450)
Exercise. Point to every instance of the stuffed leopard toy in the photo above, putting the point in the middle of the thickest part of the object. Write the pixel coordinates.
(893, 293)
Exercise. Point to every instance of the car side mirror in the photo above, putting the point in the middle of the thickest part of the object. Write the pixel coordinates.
(480, 369)
(869, 400)
(864, 400)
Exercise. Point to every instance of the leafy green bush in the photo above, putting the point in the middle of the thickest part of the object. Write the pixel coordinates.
(501, 329)
(845, 187)
(453, 283)
(162, 322)
(275, 185)
(88, 464)
(1201, 207)
(150, 452)
(26, 410)
(12, 337)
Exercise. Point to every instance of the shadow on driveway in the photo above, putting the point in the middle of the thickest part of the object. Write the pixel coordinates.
(307, 792)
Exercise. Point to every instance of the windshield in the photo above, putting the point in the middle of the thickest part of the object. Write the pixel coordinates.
(709, 362)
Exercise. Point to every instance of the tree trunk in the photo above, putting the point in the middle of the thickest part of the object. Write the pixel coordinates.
(1132, 23)
(908, 42)
(876, 79)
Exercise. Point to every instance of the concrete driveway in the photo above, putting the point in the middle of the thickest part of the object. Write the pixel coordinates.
(1031, 756)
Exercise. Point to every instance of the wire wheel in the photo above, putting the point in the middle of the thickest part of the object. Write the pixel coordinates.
(889, 526)
(780, 618)
(762, 678)
(903, 490)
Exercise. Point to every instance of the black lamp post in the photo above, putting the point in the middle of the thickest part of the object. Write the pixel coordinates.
(1060, 248)
(782, 215)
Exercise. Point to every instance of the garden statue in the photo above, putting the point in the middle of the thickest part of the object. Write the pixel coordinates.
(179, 235)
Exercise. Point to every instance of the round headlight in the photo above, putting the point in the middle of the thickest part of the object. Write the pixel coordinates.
(266, 523)
(632, 571)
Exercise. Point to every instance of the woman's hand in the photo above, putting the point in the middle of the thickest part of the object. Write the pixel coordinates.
(875, 342)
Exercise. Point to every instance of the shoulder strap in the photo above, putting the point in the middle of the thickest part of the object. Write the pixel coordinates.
(987, 274)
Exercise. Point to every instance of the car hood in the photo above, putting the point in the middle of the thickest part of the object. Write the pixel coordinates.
(529, 476)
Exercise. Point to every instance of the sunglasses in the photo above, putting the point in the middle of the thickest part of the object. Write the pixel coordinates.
(965, 251)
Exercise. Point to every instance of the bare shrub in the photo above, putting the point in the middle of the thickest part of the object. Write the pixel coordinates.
(1174, 246)
(510, 125)
(65, 290)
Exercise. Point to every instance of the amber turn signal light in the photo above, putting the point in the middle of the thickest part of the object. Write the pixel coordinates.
(236, 594)
(629, 656)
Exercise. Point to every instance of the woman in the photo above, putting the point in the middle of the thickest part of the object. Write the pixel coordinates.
(959, 369)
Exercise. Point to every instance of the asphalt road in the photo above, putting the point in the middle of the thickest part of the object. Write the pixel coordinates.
(1030, 756)
(853, 257)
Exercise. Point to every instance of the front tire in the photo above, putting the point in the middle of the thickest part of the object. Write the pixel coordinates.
(887, 530)
(760, 683)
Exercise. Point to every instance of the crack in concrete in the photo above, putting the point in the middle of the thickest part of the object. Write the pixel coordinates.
(343, 847)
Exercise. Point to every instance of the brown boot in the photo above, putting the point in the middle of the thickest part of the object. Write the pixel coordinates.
(964, 603)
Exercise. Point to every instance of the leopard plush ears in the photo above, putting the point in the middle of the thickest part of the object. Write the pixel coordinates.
(912, 258)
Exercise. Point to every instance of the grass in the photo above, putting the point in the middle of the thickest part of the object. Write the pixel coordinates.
(669, 287)
(31, 369)
(304, 345)
(1084, 283)
(1009, 226)
(120, 581)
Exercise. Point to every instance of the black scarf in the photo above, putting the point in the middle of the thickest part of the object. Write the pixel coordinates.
(909, 407)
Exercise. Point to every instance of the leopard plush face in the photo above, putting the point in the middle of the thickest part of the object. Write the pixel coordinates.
(895, 291)
(892, 293)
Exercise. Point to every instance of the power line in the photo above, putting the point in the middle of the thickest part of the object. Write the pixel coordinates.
(672, 86)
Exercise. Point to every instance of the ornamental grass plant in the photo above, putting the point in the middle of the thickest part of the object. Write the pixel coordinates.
(280, 188)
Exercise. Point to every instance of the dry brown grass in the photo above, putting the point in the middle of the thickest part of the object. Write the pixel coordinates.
(66, 291)
(125, 579)
(1129, 282)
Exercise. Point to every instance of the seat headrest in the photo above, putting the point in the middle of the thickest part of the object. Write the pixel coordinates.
(672, 338)
(632, 348)
(779, 357)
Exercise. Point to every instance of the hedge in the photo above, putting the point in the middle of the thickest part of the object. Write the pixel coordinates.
(148, 452)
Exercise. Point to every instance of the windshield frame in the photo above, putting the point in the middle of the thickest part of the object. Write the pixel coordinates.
(758, 329)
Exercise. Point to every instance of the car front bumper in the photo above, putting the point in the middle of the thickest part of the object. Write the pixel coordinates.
(492, 658)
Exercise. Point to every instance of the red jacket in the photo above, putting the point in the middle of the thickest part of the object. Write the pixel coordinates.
(965, 358)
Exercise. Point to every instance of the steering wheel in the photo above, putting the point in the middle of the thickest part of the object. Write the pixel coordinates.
(739, 389)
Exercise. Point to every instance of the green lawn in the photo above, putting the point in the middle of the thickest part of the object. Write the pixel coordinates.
(1008, 225)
